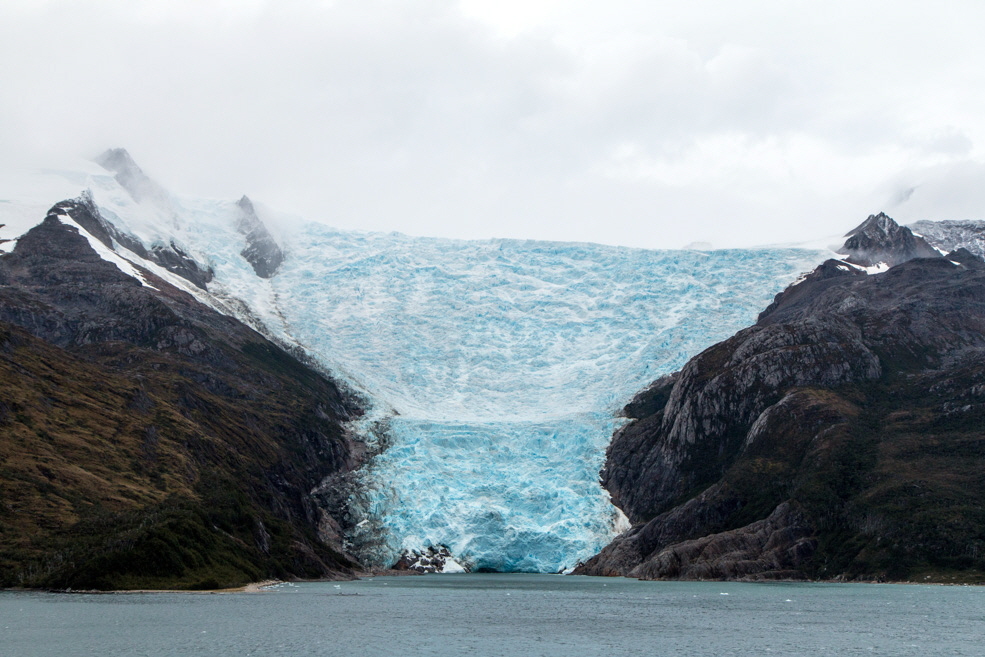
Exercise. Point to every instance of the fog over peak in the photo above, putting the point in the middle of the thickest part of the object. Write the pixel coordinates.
(626, 122)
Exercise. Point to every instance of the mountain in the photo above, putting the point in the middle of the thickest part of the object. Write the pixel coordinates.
(840, 436)
(148, 441)
(485, 378)
(489, 371)
(880, 240)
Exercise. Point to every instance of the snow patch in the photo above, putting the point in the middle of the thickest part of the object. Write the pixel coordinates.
(622, 523)
(27, 193)
(877, 268)
(452, 567)
(16, 219)
(106, 253)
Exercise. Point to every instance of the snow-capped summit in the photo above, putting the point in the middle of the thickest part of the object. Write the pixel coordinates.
(119, 161)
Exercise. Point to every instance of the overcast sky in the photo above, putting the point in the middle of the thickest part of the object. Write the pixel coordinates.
(642, 123)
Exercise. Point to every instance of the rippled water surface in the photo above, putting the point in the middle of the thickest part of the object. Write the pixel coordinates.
(514, 615)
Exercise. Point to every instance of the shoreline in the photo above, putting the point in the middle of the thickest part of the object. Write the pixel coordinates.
(252, 587)
(260, 586)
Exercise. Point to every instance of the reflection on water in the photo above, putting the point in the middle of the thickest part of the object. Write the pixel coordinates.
(517, 615)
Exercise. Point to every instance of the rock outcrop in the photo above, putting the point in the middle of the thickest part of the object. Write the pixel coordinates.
(793, 449)
(777, 547)
(435, 559)
(261, 251)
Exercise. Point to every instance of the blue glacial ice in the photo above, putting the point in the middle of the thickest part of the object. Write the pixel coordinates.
(495, 369)
(503, 365)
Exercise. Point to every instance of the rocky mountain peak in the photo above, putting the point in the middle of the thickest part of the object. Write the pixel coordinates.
(876, 223)
(262, 251)
(966, 259)
(117, 160)
(246, 205)
(83, 211)
(132, 178)
(879, 239)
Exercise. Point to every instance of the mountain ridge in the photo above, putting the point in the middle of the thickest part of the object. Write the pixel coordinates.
(443, 339)
(149, 441)
(792, 449)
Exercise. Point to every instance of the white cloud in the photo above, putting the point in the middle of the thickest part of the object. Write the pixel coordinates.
(642, 123)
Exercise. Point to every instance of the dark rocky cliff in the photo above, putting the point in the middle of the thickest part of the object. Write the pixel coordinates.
(147, 441)
(840, 436)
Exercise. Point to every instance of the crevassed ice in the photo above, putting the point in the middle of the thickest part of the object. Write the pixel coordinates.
(502, 495)
(504, 363)
(457, 330)
(497, 366)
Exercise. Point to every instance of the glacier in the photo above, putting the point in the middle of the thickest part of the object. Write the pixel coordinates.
(504, 364)
(494, 370)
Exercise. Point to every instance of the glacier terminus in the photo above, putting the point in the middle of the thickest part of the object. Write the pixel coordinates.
(503, 365)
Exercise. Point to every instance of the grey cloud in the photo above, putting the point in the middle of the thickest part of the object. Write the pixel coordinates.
(410, 116)
(955, 190)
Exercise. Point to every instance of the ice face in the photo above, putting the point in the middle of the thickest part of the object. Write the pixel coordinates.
(495, 368)
(507, 496)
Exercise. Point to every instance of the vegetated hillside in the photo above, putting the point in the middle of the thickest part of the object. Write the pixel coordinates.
(841, 436)
(147, 441)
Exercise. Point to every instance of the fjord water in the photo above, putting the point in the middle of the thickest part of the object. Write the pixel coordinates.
(494, 615)
(493, 370)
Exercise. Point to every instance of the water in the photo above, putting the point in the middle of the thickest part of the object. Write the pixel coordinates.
(515, 615)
